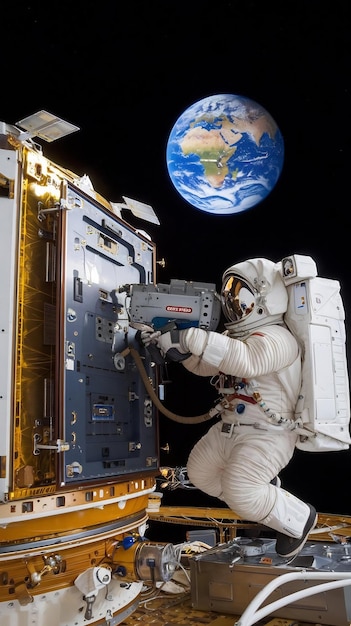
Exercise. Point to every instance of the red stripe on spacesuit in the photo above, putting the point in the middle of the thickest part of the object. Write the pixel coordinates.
(239, 396)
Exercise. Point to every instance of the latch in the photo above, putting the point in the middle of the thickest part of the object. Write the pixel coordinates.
(58, 446)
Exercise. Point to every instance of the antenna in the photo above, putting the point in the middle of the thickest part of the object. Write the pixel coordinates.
(139, 209)
(45, 126)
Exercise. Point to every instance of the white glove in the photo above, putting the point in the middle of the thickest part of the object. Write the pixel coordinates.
(171, 345)
(149, 336)
(146, 337)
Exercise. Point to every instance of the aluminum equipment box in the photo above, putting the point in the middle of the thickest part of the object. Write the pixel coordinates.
(227, 578)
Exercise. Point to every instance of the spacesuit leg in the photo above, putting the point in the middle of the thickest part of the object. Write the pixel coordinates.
(293, 519)
(207, 462)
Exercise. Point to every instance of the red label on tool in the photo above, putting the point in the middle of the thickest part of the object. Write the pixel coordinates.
(178, 309)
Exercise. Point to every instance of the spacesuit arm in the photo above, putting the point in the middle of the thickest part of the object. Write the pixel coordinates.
(270, 349)
(198, 366)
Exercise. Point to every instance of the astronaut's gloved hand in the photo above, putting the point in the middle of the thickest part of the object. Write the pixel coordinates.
(171, 345)
(148, 336)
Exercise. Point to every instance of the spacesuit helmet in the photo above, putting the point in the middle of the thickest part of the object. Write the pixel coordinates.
(253, 294)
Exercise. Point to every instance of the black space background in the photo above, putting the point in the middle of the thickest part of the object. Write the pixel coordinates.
(124, 72)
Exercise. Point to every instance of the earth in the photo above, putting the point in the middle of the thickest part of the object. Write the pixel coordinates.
(225, 154)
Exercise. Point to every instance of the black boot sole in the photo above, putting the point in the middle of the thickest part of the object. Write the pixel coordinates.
(287, 546)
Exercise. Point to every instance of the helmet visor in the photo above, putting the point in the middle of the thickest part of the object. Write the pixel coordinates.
(238, 299)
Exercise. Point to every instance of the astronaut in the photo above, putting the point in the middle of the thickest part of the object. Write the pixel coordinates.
(255, 366)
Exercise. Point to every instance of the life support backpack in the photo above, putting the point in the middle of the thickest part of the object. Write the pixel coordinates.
(316, 317)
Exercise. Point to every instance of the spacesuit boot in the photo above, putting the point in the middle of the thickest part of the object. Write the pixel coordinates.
(293, 519)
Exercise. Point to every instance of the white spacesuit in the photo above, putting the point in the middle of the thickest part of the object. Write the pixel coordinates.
(256, 367)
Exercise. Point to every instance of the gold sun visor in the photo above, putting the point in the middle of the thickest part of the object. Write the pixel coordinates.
(238, 298)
